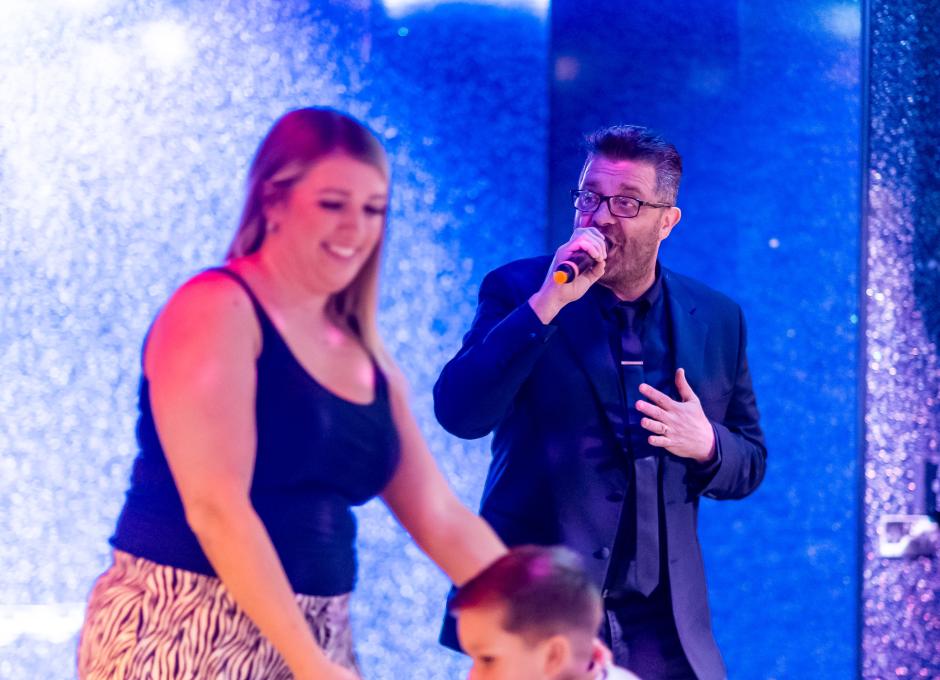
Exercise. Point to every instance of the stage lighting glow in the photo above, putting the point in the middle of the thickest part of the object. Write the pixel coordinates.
(165, 43)
(399, 8)
(12, 13)
(103, 62)
(83, 5)
(55, 623)
(843, 21)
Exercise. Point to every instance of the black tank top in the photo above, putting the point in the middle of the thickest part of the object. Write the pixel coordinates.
(317, 455)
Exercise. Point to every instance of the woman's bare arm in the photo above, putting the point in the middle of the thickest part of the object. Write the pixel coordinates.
(200, 362)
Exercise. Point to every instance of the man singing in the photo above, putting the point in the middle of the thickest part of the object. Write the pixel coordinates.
(616, 400)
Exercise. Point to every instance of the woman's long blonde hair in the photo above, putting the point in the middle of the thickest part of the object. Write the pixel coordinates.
(295, 142)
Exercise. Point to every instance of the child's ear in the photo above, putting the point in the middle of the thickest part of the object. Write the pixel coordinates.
(557, 656)
(600, 654)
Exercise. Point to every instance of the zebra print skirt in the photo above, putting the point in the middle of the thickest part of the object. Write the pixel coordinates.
(147, 620)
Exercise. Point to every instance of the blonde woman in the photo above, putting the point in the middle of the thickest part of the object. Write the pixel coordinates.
(268, 408)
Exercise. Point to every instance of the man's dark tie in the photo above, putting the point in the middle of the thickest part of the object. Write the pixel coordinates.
(643, 574)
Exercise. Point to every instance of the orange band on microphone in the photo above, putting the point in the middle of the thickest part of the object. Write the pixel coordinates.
(561, 276)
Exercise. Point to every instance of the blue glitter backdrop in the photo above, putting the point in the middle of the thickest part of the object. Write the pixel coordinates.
(126, 133)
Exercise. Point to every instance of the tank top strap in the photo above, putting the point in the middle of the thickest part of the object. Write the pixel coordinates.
(263, 319)
(381, 382)
(267, 326)
(237, 278)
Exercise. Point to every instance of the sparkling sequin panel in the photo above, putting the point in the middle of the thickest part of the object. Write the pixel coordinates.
(900, 614)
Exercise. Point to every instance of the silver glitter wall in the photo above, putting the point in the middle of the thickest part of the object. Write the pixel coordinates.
(125, 133)
(901, 597)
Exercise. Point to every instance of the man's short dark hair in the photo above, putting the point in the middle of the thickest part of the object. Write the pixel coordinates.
(636, 143)
(544, 590)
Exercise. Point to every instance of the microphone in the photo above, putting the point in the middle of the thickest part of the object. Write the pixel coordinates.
(576, 264)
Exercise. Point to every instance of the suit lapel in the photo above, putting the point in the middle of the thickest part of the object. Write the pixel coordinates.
(688, 330)
(585, 332)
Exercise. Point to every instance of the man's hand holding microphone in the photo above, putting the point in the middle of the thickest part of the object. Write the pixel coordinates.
(571, 265)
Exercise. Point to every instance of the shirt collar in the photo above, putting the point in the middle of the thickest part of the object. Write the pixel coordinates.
(608, 299)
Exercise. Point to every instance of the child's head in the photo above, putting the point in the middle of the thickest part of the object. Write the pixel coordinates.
(531, 615)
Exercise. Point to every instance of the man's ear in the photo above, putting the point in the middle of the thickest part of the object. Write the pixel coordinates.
(671, 217)
(557, 657)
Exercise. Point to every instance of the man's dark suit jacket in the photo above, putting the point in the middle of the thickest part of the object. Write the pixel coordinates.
(559, 468)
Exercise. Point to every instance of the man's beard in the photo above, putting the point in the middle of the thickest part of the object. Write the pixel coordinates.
(632, 263)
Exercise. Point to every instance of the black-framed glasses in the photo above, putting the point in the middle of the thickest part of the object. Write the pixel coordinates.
(589, 201)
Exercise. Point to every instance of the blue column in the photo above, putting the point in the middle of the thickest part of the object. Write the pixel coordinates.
(763, 101)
